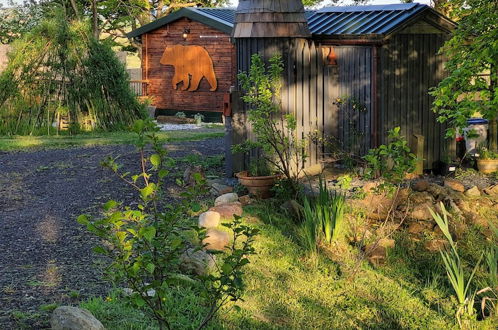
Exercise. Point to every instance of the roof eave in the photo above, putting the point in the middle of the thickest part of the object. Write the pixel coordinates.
(182, 13)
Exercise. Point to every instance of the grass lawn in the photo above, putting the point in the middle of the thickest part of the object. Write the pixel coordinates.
(284, 290)
(102, 138)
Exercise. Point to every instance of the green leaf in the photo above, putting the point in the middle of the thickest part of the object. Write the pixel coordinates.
(83, 219)
(99, 250)
(155, 160)
(226, 268)
(110, 205)
(150, 268)
(163, 173)
(148, 190)
(148, 232)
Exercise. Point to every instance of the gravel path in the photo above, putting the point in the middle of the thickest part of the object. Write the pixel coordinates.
(45, 256)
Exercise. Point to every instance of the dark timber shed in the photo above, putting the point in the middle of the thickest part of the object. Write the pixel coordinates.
(352, 72)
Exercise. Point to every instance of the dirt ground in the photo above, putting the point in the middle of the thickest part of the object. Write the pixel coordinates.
(45, 255)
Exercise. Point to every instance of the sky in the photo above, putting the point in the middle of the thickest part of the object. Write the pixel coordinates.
(345, 2)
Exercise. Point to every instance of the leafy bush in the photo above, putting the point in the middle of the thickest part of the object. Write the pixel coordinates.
(392, 161)
(58, 70)
(180, 114)
(146, 243)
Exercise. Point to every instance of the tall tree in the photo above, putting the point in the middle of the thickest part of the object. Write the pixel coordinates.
(472, 84)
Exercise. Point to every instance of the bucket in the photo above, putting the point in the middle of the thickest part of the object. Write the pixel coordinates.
(476, 133)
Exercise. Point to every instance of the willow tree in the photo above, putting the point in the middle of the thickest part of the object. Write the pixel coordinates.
(472, 83)
(59, 71)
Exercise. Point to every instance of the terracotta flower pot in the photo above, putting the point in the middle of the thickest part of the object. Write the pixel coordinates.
(487, 166)
(259, 186)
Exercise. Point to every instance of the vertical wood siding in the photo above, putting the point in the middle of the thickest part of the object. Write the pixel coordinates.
(409, 66)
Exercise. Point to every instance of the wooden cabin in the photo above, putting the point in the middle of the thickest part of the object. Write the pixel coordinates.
(187, 47)
(351, 72)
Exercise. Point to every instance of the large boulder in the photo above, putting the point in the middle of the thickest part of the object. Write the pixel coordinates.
(197, 262)
(74, 318)
(209, 219)
(227, 211)
(226, 199)
(216, 240)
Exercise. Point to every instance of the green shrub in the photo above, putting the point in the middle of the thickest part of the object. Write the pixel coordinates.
(146, 244)
(392, 161)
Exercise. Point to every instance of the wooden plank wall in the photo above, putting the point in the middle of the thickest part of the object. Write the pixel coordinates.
(220, 49)
(409, 66)
(311, 89)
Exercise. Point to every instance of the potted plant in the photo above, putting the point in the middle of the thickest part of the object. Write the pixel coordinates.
(275, 139)
(487, 161)
(258, 179)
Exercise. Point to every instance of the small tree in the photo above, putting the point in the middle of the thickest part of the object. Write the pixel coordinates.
(146, 243)
(275, 131)
(472, 66)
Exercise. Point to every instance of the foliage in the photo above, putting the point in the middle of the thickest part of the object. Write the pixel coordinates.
(259, 167)
(180, 114)
(455, 270)
(309, 230)
(491, 258)
(15, 21)
(323, 218)
(146, 243)
(472, 66)
(344, 181)
(485, 153)
(275, 131)
(392, 161)
(58, 72)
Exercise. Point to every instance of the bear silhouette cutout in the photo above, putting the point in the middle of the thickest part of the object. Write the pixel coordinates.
(191, 63)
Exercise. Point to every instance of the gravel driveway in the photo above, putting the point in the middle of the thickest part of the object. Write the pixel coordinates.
(45, 255)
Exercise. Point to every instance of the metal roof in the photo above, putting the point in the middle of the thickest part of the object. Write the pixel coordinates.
(357, 20)
(340, 20)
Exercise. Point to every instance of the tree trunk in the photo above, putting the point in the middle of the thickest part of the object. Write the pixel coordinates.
(493, 127)
(95, 20)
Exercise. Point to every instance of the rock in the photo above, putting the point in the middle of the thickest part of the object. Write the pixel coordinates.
(419, 227)
(421, 212)
(454, 184)
(421, 185)
(292, 207)
(476, 219)
(437, 191)
(226, 199)
(209, 219)
(245, 200)
(190, 173)
(435, 245)
(197, 262)
(73, 318)
(216, 240)
(376, 206)
(493, 190)
(227, 211)
(220, 189)
(387, 243)
(377, 252)
(473, 192)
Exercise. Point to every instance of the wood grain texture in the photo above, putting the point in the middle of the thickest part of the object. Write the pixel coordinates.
(221, 51)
